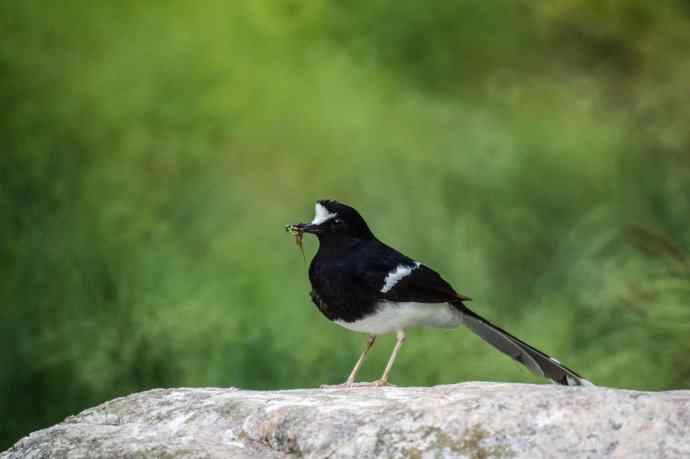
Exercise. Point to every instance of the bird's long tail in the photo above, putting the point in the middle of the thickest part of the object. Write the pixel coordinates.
(535, 360)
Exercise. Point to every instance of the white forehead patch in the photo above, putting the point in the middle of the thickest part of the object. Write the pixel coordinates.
(398, 273)
(321, 214)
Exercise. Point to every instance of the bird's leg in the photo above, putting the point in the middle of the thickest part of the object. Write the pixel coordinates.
(351, 379)
(353, 374)
(399, 338)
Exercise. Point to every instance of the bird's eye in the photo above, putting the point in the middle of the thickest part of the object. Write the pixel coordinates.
(337, 221)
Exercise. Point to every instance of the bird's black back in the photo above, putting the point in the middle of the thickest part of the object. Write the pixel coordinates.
(347, 283)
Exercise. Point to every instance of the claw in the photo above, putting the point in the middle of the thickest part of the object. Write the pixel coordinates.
(353, 385)
(382, 383)
(345, 385)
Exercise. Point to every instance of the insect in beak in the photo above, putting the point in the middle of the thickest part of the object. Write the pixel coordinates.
(297, 232)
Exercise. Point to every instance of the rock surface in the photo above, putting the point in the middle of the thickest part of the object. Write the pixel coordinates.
(473, 420)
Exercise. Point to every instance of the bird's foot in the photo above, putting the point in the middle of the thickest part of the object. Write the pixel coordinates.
(350, 385)
(345, 385)
(381, 383)
(377, 383)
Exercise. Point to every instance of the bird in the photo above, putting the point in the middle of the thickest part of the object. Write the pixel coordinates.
(366, 286)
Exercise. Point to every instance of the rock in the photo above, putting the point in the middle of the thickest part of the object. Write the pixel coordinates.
(472, 420)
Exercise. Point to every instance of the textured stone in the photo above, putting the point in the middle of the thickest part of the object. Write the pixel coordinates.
(473, 420)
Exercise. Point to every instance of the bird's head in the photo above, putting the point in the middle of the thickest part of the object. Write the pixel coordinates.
(334, 221)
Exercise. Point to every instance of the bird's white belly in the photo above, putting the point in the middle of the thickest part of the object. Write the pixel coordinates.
(391, 316)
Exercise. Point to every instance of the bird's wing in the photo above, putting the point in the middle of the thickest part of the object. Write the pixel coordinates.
(395, 277)
(423, 285)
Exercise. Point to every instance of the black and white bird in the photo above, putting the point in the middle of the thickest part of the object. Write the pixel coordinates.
(362, 284)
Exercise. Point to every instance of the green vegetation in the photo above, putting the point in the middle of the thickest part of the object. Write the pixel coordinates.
(536, 153)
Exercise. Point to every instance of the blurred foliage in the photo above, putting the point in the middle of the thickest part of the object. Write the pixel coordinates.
(536, 153)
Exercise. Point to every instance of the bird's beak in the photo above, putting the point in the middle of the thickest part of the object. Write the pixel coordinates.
(304, 228)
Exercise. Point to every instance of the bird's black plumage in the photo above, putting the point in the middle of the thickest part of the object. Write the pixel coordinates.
(365, 285)
(347, 285)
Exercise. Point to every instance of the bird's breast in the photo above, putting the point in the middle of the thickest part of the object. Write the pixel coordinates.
(323, 306)
(337, 294)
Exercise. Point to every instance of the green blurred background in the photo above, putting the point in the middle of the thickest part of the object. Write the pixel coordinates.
(535, 153)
